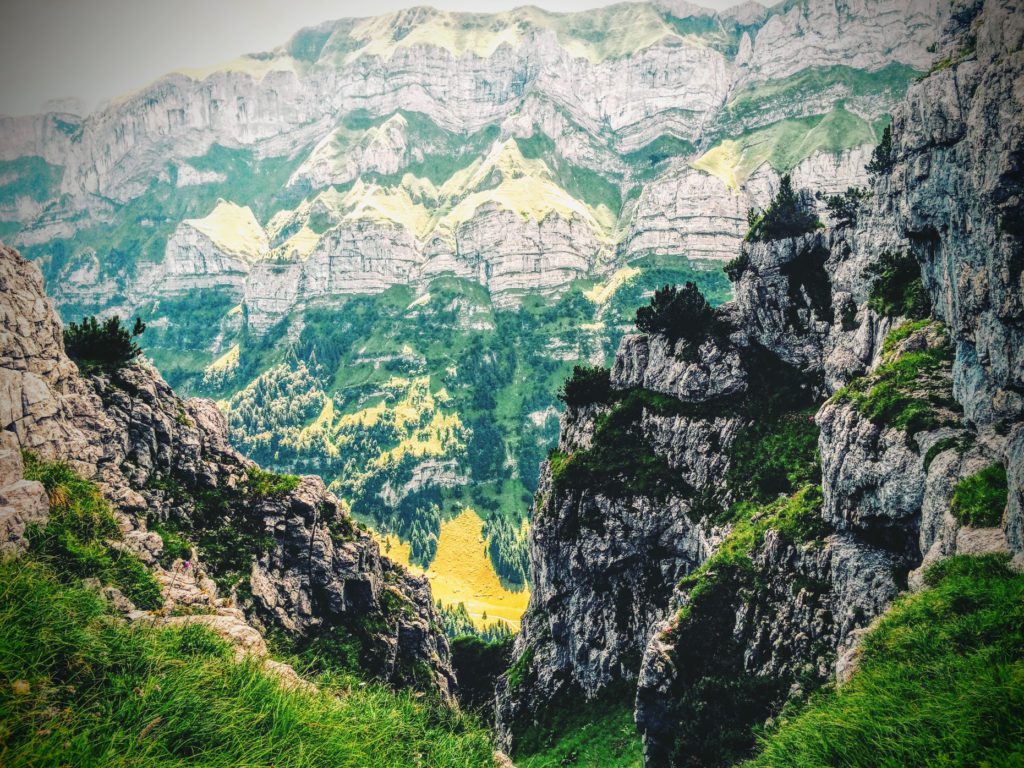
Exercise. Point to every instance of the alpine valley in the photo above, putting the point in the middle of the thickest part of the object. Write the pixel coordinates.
(684, 344)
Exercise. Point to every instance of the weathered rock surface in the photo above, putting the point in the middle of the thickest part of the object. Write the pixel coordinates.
(372, 103)
(793, 618)
(159, 458)
(22, 502)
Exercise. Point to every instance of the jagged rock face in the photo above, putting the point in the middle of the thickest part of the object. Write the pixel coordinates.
(956, 193)
(652, 363)
(791, 618)
(591, 558)
(628, 103)
(790, 316)
(873, 479)
(22, 502)
(781, 634)
(42, 399)
(160, 458)
(604, 568)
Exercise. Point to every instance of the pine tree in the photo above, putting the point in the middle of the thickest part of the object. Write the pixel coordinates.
(881, 159)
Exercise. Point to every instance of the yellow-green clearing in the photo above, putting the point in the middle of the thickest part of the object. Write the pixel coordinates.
(462, 572)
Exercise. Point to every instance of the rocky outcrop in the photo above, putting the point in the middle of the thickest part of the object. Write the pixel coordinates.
(955, 190)
(282, 554)
(605, 561)
(775, 602)
(22, 502)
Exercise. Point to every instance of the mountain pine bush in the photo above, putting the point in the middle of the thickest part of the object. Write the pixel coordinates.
(102, 346)
(787, 215)
(678, 314)
(587, 385)
(881, 158)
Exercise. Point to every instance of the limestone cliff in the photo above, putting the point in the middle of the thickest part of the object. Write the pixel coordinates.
(756, 586)
(272, 554)
(653, 141)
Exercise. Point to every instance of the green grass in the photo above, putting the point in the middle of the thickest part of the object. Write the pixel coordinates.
(980, 499)
(940, 682)
(599, 734)
(582, 183)
(909, 391)
(897, 289)
(518, 672)
(785, 144)
(265, 484)
(76, 541)
(79, 687)
(619, 461)
(775, 456)
(796, 517)
(175, 545)
(650, 159)
(890, 81)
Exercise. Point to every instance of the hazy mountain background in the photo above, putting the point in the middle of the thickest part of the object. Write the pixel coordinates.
(382, 245)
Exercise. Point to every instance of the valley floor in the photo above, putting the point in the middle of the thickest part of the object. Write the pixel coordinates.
(461, 572)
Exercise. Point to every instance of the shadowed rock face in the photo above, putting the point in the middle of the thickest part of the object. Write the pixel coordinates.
(776, 624)
(158, 458)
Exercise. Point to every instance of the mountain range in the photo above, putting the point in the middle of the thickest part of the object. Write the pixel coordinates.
(383, 245)
(766, 511)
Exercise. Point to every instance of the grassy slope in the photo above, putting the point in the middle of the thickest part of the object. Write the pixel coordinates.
(940, 682)
(784, 144)
(80, 687)
(596, 735)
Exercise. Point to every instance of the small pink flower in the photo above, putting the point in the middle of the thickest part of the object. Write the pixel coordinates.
(187, 563)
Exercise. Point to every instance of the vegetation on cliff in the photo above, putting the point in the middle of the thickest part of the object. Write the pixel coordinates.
(79, 540)
(79, 686)
(911, 390)
(102, 346)
(980, 499)
(787, 215)
(586, 735)
(940, 681)
(678, 314)
(896, 287)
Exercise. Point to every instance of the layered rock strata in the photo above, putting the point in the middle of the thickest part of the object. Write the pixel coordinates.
(164, 461)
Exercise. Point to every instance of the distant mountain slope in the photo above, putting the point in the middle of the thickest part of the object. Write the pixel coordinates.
(474, 201)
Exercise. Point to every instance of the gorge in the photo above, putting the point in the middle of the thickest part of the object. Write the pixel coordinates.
(411, 258)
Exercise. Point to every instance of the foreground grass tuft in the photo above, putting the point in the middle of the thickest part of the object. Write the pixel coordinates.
(980, 499)
(597, 734)
(76, 541)
(940, 682)
(80, 687)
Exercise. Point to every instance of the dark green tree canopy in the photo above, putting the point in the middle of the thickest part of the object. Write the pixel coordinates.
(102, 346)
(881, 159)
(678, 313)
(587, 385)
(787, 215)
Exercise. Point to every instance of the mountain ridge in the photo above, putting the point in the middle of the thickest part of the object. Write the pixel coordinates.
(725, 521)
(280, 225)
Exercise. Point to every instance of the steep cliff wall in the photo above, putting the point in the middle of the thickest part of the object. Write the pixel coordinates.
(546, 169)
(906, 406)
(274, 552)
(394, 113)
